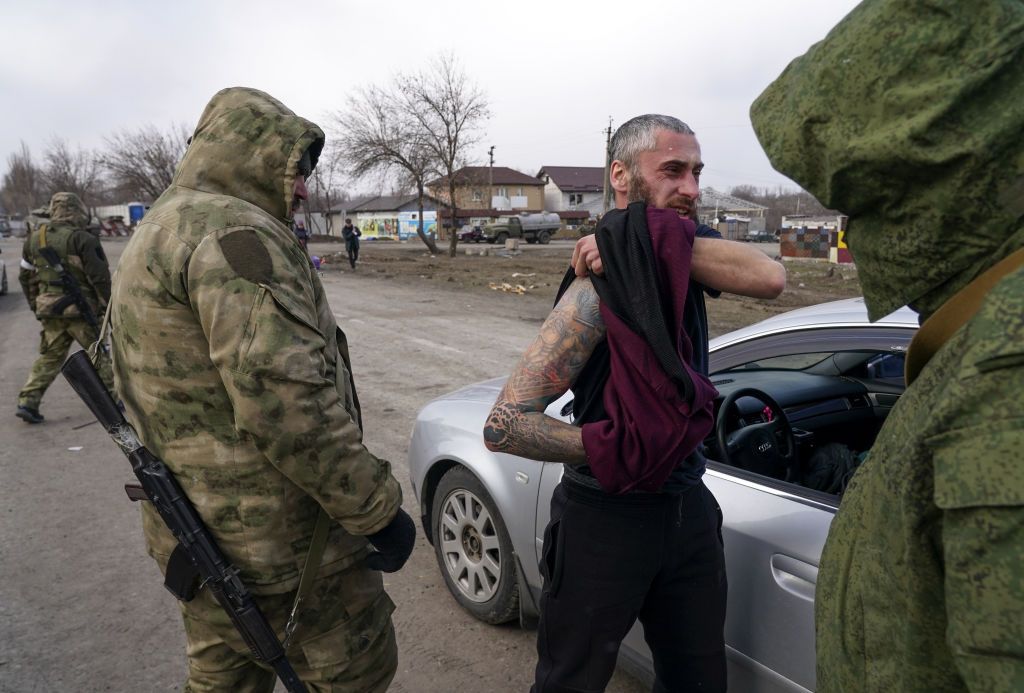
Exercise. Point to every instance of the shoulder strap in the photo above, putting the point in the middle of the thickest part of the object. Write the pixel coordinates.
(96, 346)
(317, 544)
(954, 314)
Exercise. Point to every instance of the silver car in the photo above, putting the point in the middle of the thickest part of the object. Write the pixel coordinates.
(802, 397)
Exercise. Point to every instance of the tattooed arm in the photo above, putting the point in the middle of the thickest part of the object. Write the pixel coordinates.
(517, 424)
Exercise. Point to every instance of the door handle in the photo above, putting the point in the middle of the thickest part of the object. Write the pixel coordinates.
(797, 577)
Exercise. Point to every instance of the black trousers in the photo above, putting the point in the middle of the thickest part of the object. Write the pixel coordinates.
(352, 247)
(610, 560)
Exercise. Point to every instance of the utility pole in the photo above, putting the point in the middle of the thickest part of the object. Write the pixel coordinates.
(607, 166)
(490, 179)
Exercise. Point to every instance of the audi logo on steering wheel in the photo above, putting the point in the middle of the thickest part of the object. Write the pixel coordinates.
(764, 447)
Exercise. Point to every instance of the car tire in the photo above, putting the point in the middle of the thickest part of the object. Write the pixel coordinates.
(544, 238)
(501, 238)
(473, 549)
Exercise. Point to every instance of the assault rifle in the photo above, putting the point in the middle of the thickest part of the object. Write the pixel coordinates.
(72, 290)
(197, 561)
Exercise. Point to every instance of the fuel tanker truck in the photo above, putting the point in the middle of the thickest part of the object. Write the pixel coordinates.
(533, 228)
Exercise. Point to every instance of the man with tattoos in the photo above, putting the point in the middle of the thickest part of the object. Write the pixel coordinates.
(634, 533)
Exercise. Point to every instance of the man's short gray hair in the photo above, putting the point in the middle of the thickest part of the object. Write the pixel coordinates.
(638, 135)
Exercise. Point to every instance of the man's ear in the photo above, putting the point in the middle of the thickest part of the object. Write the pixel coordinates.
(619, 177)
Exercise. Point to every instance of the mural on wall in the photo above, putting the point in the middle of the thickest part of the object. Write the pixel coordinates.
(839, 252)
(409, 223)
(379, 229)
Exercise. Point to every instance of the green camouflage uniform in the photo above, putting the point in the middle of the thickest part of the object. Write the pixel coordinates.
(234, 371)
(82, 255)
(908, 118)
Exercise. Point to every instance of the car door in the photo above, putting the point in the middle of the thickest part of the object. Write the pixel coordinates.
(773, 540)
(774, 531)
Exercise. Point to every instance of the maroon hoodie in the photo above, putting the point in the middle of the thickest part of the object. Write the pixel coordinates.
(659, 408)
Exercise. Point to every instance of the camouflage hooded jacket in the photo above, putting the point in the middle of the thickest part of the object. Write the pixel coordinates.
(229, 360)
(80, 252)
(908, 118)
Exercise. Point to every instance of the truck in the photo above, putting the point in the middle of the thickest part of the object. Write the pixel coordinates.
(533, 228)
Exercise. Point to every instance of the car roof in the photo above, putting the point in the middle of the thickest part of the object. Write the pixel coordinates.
(848, 312)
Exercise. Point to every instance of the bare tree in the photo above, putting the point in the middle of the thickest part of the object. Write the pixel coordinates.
(324, 189)
(76, 171)
(141, 162)
(447, 110)
(22, 183)
(376, 135)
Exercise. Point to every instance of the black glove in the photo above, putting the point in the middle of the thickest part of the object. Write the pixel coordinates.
(393, 543)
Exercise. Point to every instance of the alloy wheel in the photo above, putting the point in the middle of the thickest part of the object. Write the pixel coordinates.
(470, 546)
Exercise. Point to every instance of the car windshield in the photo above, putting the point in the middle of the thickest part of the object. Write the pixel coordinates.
(872, 364)
(786, 362)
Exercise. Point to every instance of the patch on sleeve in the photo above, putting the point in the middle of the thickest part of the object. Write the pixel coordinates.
(247, 256)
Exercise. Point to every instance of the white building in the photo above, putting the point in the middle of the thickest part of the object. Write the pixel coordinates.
(573, 188)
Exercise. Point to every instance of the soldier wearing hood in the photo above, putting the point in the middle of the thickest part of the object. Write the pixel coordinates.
(907, 117)
(233, 370)
(63, 324)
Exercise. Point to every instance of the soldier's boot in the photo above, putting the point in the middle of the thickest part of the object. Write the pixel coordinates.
(29, 415)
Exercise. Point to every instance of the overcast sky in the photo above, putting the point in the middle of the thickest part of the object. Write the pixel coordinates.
(554, 70)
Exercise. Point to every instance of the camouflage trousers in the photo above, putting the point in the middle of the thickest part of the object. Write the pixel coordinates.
(345, 642)
(56, 339)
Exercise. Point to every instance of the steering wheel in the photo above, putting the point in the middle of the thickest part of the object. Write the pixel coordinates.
(764, 448)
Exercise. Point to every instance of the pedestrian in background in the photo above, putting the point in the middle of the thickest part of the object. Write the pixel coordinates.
(302, 234)
(351, 235)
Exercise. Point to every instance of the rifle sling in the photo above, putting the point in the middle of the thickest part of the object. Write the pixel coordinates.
(317, 544)
(954, 314)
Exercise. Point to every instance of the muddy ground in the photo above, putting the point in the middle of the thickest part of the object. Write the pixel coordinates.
(82, 607)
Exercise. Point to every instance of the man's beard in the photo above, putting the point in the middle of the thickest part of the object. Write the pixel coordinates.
(638, 191)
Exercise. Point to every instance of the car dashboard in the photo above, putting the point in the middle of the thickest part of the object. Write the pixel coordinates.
(825, 411)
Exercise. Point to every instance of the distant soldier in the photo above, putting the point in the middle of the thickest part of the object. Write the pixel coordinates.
(79, 254)
(234, 371)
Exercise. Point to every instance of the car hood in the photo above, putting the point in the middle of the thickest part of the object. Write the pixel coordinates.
(485, 392)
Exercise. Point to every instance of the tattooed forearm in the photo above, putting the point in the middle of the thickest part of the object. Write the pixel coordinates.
(517, 423)
(518, 431)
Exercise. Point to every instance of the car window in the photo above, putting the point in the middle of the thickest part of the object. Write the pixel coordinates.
(823, 341)
(836, 388)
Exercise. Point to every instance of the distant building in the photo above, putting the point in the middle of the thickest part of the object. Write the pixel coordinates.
(392, 217)
(485, 192)
(733, 217)
(573, 188)
(820, 237)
